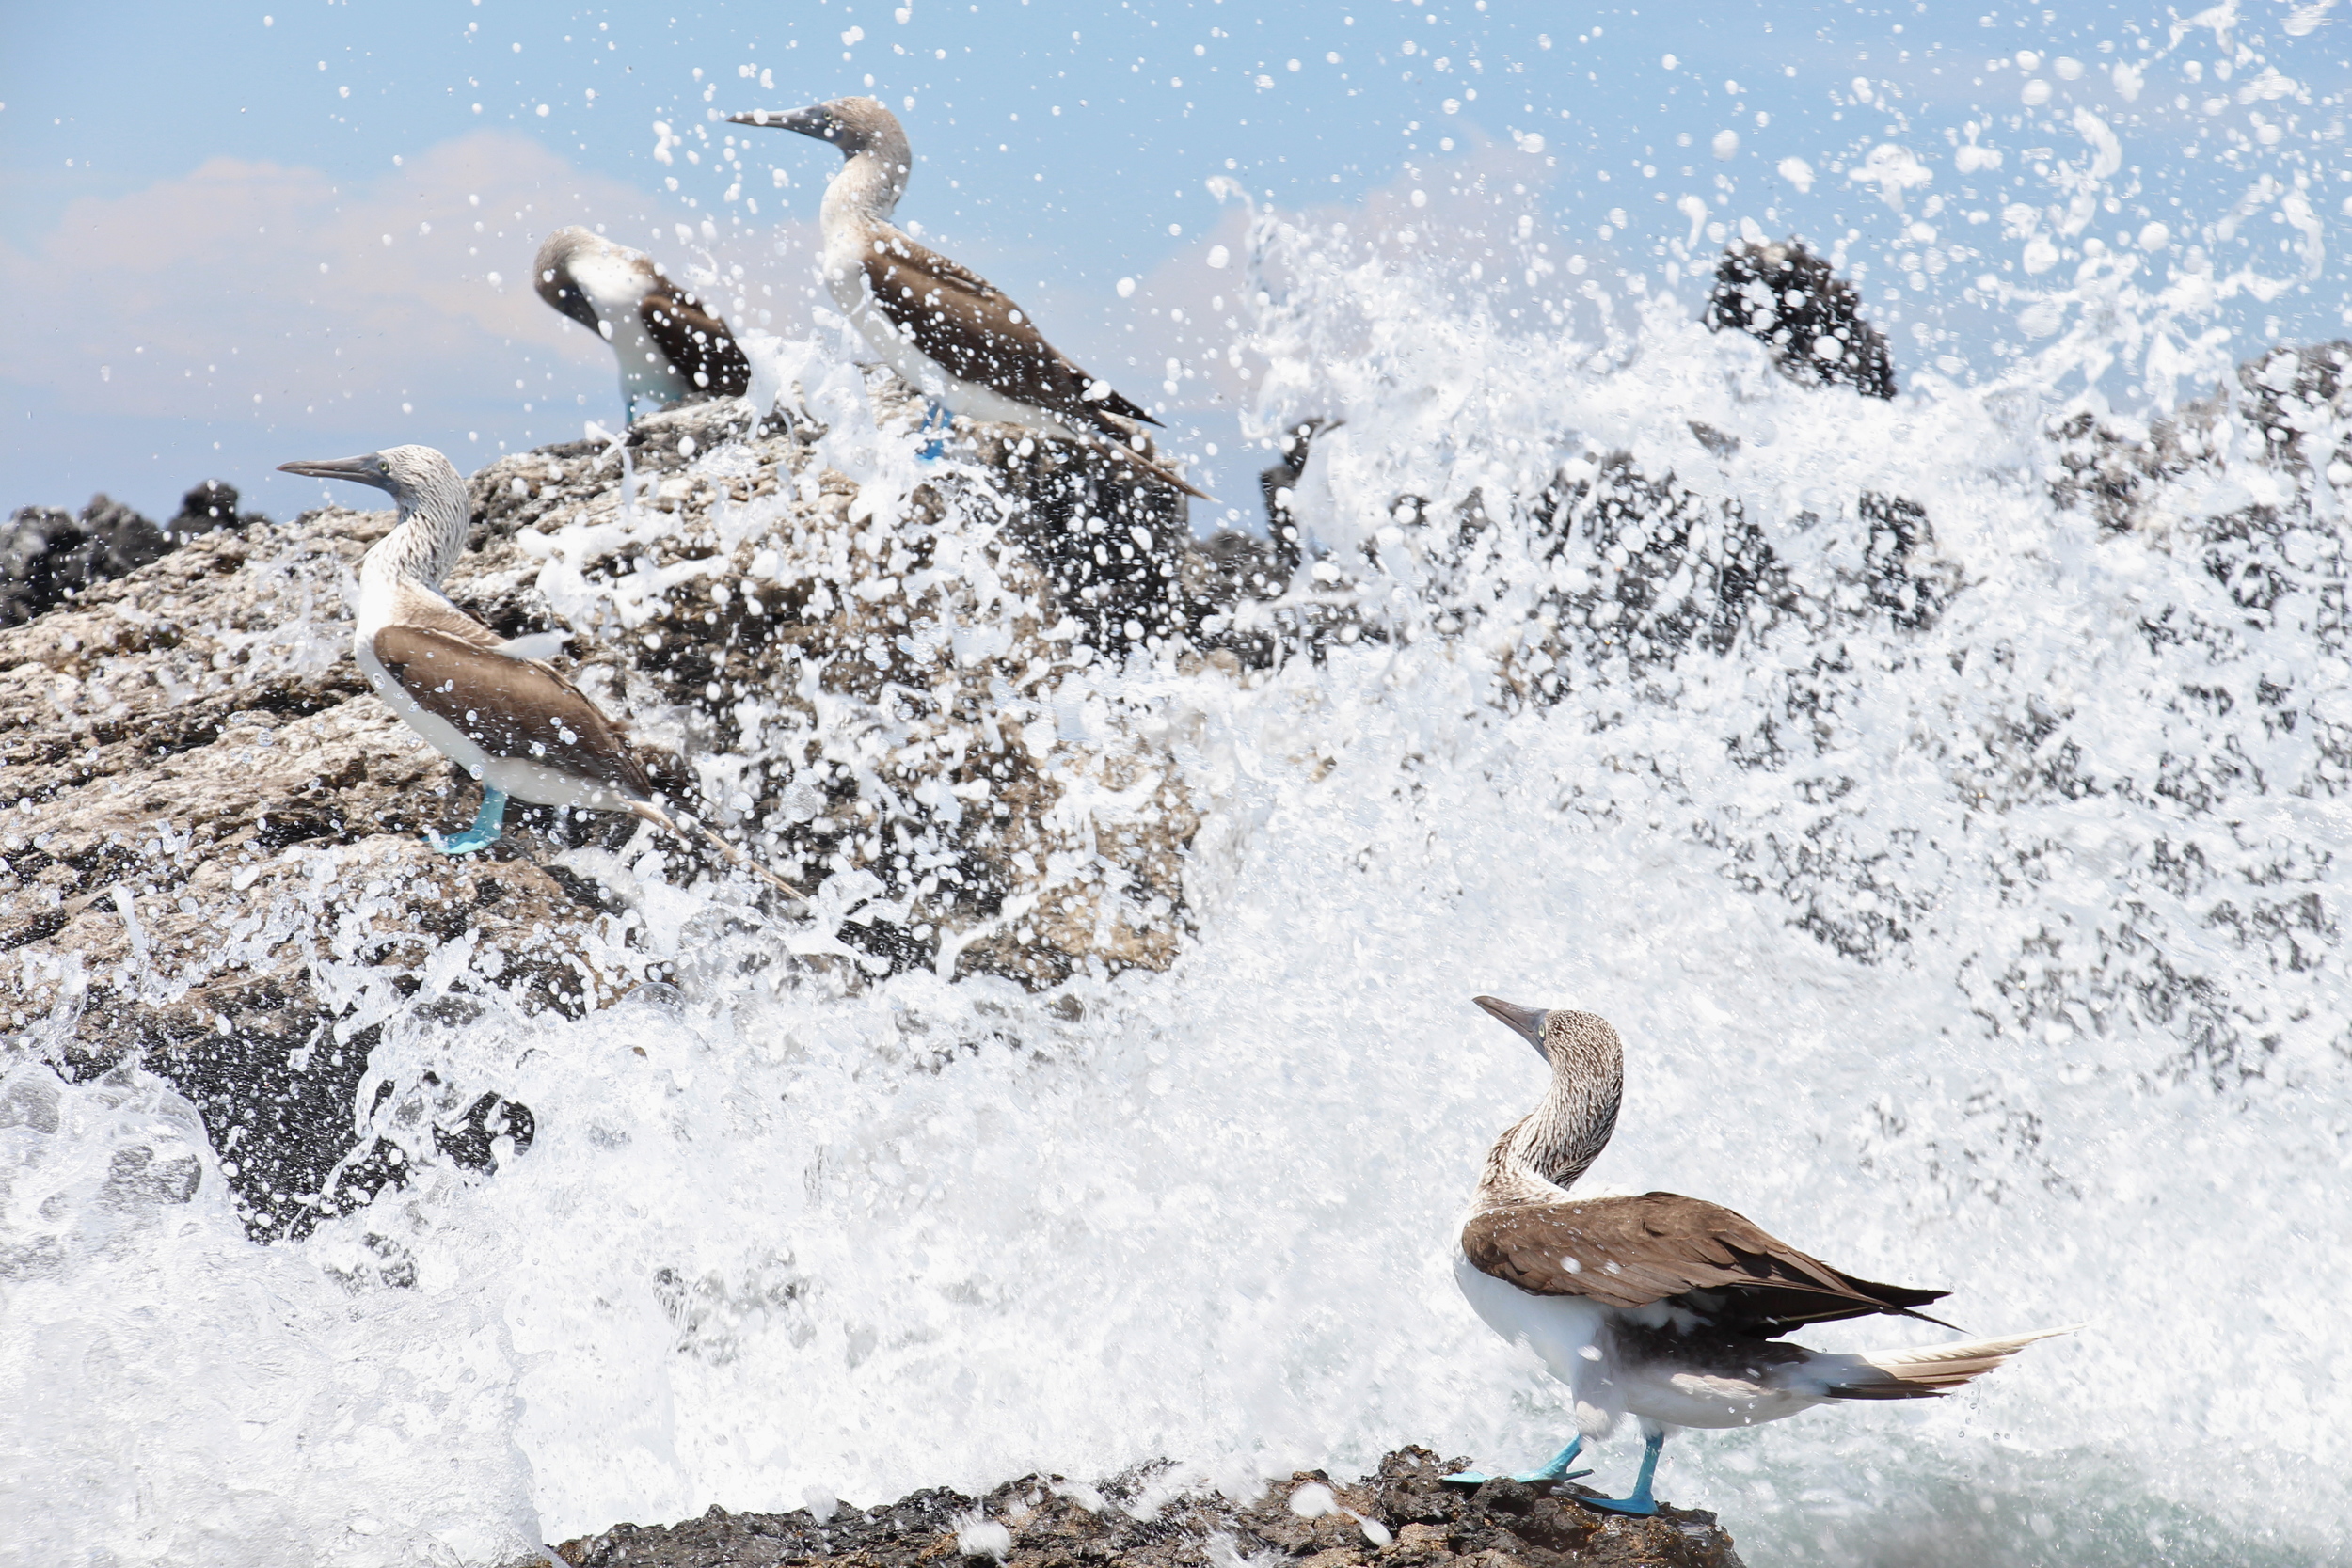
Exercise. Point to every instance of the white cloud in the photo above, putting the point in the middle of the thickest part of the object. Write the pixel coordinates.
(329, 302)
(219, 323)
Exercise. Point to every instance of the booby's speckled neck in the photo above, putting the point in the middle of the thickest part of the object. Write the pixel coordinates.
(866, 189)
(435, 515)
(1547, 1149)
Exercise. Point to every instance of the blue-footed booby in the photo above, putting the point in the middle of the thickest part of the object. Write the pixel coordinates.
(949, 331)
(1663, 1308)
(670, 348)
(491, 705)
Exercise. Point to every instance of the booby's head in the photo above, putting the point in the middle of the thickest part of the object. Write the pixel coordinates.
(577, 271)
(1558, 1034)
(854, 125)
(869, 138)
(411, 475)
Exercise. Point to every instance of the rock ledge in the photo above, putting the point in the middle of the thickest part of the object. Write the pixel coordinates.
(1401, 1517)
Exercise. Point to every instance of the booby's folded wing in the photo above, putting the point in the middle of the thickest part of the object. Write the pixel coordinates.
(967, 325)
(1630, 1252)
(697, 342)
(512, 708)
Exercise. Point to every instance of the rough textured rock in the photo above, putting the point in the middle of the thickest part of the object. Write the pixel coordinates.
(1791, 300)
(1403, 1517)
(47, 555)
(210, 846)
(884, 687)
(2289, 409)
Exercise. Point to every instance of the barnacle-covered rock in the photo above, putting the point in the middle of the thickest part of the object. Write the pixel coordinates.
(211, 843)
(1794, 303)
(1404, 1516)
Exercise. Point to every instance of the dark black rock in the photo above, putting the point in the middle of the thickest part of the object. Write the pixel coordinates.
(1789, 299)
(211, 504)
(47, 555)
(1403, 1517)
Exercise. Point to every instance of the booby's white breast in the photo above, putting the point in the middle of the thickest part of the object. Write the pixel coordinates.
(1568, 1332)
(616, 290)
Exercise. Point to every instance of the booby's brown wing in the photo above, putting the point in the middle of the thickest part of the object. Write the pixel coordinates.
(966, 323)
(516, 708)
(1630, 1252)
(696, 341)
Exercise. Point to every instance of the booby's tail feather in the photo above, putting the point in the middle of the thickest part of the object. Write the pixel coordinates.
(682, 826)
(1924, 1372)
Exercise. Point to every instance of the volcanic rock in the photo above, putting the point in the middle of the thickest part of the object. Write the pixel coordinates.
(211, 841)
(1402, 1517)
(1791, 300)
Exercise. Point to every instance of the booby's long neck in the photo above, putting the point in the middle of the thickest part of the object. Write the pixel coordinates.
(427, 543)
(1546, 1150)
(867, 190)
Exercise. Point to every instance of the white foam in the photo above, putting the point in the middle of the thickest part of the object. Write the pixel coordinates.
(2013, 968)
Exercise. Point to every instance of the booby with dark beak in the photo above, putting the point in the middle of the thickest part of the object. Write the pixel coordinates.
(949, 331)
(670, 348)
(1663, 1308)
(491, 705)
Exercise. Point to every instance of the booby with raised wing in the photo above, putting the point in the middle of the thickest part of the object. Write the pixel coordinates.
(1663, 1308)
(949, 332)
(492, 704)
(669, 346)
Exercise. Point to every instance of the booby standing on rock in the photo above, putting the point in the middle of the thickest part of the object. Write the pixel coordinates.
(948, 330)
(669, 347)
(489, 703)
(1660, 1307)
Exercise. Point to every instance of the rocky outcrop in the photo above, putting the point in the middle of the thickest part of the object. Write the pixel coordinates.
(1794, 303)
(48, 555)
(211, 841)
(1402, 1517)
(2289, 409)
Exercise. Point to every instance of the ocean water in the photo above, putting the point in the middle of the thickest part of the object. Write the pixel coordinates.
(1972, 924)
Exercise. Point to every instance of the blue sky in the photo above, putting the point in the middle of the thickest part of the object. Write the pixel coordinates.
(249, 233)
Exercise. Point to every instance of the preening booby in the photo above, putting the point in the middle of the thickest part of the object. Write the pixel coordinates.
(1663, 1308)
(492, 704)
(669, 347)
(948, 330)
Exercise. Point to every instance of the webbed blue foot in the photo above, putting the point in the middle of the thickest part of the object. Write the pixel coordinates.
(1557, 1470)
(489, 823)
(1639, 1501)
(937, 447)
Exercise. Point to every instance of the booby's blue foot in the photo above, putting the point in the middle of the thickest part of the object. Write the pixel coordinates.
(1556, 1470)
(937, 447)
(1640, 1501)
(488, 824)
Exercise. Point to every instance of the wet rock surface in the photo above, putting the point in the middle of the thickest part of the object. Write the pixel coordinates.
(1402, 1517)
(48, 555)
(1794, 303)
(212, 850)
(2289, 409)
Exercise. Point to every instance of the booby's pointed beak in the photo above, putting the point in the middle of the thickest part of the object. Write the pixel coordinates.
(815, 121)
(1527, 1021)
(367, 469)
